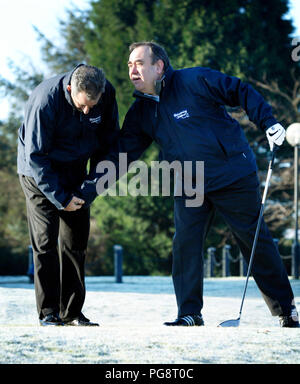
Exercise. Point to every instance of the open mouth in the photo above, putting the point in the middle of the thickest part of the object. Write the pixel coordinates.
(135, 79)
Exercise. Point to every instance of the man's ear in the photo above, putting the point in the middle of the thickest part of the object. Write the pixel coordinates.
(160, 67)
(69, 88)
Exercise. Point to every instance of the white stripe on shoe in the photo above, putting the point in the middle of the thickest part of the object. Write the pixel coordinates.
(189, 320)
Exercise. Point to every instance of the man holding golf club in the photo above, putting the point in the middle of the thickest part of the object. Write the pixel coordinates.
(184, 112)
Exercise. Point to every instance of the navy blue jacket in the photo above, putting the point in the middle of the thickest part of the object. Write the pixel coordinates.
(56, 140)
(190, 123)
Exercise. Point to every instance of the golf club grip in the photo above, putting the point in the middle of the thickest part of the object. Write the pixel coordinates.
(275, 149)
(271, 163)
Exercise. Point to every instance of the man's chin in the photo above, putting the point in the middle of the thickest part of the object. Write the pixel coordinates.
(138, 85)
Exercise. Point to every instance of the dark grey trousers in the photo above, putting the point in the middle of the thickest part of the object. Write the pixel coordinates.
(59, 241)
(239, 205)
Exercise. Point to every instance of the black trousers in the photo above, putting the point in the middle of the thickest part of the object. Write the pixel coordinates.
(239, 204)
(59, 241)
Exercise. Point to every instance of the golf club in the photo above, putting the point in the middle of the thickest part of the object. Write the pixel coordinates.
(236, 322)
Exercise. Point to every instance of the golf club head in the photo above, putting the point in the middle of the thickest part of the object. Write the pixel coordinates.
(230, 323)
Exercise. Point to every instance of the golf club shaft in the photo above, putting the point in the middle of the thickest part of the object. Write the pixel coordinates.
(258, 225)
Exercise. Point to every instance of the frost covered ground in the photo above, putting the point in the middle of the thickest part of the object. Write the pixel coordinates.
(131, 316)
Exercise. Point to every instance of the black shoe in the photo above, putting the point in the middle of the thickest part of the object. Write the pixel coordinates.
(187, 321)
(81, 321)
(290, 321)
(51, 319)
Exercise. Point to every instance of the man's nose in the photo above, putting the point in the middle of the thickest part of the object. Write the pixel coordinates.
(133, 69)
(86, 110)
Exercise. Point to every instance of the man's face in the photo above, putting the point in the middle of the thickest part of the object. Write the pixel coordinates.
(142, 73)
(82, 102)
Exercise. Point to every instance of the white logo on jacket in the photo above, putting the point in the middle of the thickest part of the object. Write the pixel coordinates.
(95, 120)
(181, 115)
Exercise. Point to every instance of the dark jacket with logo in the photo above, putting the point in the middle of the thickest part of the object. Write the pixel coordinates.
(56, 141)
(190, 123)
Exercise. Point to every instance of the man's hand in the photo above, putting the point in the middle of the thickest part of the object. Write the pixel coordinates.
(275, 135)
(75, 204)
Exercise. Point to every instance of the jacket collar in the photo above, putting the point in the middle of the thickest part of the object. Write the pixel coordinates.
(168, 76)
(160, 86)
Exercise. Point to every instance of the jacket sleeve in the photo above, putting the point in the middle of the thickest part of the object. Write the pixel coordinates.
(40, 124)
(132, 141)
(231, 91)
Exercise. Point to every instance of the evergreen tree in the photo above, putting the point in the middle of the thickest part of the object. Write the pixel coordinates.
(71, 49)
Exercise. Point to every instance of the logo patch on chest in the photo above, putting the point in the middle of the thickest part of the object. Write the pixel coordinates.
(95, 120)
(181, 115)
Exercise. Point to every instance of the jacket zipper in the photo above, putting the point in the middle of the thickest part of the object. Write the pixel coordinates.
(81, 125)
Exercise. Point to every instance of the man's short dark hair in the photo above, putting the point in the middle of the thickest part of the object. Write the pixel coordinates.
(157, 52)
(88, 79)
